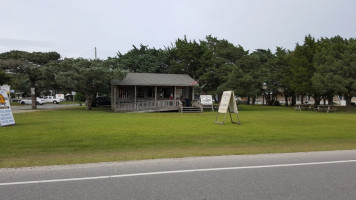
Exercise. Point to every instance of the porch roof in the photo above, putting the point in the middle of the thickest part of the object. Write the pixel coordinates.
(154, 79)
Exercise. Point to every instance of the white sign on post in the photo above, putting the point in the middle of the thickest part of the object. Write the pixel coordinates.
(206, 100)
(33, 91)
(6, 117)
(59, 96)
(228, 103)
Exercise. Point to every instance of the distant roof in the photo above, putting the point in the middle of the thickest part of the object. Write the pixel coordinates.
(153, 79)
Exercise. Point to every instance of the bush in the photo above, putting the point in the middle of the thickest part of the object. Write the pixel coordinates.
(79, 97)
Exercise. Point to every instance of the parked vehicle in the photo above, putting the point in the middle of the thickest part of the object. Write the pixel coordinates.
(29, 101)
(101, 101)
(51, 99)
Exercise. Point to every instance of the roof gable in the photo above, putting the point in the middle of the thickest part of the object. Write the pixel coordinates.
(154, 79)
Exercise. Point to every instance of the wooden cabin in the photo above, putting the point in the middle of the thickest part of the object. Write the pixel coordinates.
(152, 92)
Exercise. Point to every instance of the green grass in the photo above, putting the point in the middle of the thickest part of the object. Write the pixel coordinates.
(16, 104)
(75, 135)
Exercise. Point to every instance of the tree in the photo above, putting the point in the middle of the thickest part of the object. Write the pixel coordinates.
(32, 65)
(143, 60)
(278, 75)
(246, 78)
(265, 76)
(187, 58)
(4, 78)
(87, 77)
(237, 81)
(220, 58)
(302, 68)
(335, 63)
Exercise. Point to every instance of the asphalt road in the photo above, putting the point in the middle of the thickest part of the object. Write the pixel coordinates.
(317, 175)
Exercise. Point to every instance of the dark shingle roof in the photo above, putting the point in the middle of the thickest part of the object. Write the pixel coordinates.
(152, 79)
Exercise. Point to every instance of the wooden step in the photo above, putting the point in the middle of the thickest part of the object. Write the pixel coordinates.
(191, 110)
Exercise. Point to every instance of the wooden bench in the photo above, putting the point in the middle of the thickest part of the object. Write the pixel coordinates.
(301, 107)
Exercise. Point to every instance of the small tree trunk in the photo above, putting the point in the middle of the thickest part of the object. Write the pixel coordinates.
(275, 99)
(33, 95)
(348, 101)
(286, 98)
(268, 99)
(316, 100)
(89, 99)
(248, 100)
(294, 99)
(253, 100)
(330, 99)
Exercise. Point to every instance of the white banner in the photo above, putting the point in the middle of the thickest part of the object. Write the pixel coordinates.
(6, 117)
(4, 99)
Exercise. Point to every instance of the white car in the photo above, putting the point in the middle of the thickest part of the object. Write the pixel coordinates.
(29, 101)
(51, 99)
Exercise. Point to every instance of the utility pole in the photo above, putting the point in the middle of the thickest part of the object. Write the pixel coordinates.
(97, 94)
(95, 53)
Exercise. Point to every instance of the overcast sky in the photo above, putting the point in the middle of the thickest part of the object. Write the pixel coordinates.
(74, 27)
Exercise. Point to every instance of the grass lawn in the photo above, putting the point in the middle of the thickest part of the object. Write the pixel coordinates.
(75, 135)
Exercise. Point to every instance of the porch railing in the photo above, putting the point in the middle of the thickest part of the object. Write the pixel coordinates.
(197, 103)
(148, 105)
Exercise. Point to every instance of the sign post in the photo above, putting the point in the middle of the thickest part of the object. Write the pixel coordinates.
(228, 103)
(6, 117)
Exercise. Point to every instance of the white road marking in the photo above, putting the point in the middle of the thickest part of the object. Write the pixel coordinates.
(174, 172)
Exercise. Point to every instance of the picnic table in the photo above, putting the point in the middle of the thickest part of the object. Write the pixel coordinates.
(301, 107)
(325, 108)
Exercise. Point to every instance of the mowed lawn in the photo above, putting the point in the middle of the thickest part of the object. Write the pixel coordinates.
(68, 136)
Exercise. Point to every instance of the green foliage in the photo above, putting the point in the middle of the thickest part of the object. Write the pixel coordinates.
(321, 68)
(79, 97)
(28, 66)
(88, 77)
(277, 76)
(250, 77)
(335, 63)
(187, 58)
(219, 60)
(4, 78)
(21, 83)
(143, 60)
(220, 65)
(302, 66)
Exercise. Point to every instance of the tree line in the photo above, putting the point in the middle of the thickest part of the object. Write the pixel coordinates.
(321, 68)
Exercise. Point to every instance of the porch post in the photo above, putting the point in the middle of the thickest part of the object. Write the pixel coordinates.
(175, 92)
(155, 96)
(114, 97)
(192, 94)
(135, 98)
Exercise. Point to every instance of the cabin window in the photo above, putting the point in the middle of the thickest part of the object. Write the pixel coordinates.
(140, 92)
(179, 92)
(124, 93)
(150, 92)
(166, 93)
